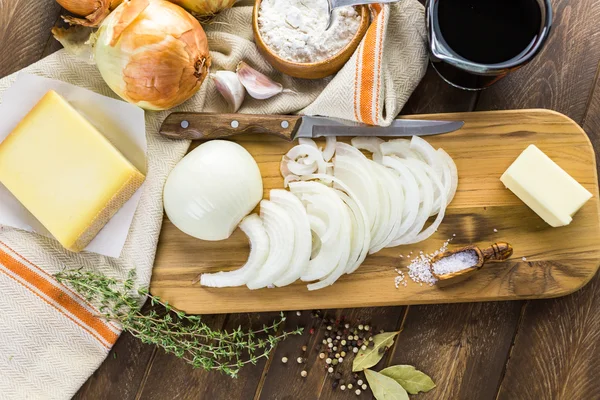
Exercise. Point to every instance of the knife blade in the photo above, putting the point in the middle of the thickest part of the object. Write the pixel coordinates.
(203, 126)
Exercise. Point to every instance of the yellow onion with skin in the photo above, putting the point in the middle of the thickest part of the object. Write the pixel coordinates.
(92, 11)
(152, 53)
(204, 7)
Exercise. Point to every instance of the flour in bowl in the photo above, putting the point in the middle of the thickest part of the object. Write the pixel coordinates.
(295, 29)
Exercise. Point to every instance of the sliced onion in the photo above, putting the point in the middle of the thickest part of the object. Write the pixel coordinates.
(311, 153)
(452, 171)
(385, 221)
(302, 235)
(323, 207)
(317, 225)
(253, 227)
(431, 229)
(331, 250)
(430, 156)
(344, 239)
(280, 229)
(426, 188)
(395, 198)
(283, 167)
(301, 168)
(398, 147)
(427, 153)
(370, 144)
(290, 178)
(308, 141)
(329, 150)
(359, 245)
(353, 168)
(366, 236)
(412, 198)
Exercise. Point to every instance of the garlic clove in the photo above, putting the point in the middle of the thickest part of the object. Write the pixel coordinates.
(230, 87)
(258, 85)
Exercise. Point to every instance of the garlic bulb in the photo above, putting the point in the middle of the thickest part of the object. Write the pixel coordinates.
(209, 192)
(258, 85)
(152, 53)
(92, 11)
(204, 7)
(230, 87)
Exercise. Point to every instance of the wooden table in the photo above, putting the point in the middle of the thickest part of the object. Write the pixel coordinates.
(547, 349)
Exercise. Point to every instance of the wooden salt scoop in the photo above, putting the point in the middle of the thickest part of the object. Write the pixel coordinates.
(498, 251)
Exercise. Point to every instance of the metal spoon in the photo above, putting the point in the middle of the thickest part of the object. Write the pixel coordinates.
(333, 4)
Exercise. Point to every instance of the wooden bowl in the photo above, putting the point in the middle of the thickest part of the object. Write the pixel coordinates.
(315, 70)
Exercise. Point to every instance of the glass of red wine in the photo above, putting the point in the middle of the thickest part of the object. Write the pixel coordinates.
(475, 43)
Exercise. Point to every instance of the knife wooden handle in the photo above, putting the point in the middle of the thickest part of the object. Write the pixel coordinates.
(204, 126)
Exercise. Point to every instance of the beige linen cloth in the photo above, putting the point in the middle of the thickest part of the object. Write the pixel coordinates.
(51, 340)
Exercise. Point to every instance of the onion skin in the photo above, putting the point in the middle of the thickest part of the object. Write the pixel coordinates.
(204, 7)
(92, 11)
(152, 53)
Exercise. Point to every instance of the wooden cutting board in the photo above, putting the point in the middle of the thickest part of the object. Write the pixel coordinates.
(547, 262)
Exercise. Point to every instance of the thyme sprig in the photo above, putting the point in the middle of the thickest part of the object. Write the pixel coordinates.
(185, 336)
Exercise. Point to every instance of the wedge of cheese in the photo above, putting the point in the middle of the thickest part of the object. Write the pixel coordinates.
(65, 172)
(545, 187)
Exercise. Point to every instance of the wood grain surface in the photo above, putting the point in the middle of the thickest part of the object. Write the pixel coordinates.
(498, 350)
(483, 212)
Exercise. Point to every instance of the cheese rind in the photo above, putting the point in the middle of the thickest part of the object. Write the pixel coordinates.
(65, 172)
(545, 187)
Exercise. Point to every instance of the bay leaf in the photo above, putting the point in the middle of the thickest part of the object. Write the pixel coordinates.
(372, 355)
(385, 388)
(411, 379)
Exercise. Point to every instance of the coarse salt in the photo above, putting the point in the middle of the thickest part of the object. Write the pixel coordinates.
(456, 262)
(295, 29)
(419, 269)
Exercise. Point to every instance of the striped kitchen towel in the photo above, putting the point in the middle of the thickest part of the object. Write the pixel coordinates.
(388, 65)
(51, 340)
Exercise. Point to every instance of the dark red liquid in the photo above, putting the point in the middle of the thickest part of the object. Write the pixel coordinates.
(489, 31)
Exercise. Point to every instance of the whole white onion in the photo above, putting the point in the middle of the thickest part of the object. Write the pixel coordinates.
(152, 53)
(209, 192)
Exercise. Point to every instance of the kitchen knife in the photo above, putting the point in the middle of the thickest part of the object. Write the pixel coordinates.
(203, 126)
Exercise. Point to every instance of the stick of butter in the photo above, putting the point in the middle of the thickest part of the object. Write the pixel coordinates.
(545, 187)
(65, 172)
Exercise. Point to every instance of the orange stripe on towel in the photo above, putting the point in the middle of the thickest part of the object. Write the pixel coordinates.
(370, 67)
(54, 294)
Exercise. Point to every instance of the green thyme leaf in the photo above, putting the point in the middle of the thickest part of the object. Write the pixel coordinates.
(184, 336)
(372, 355)
(385, 388)
(411, 379)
